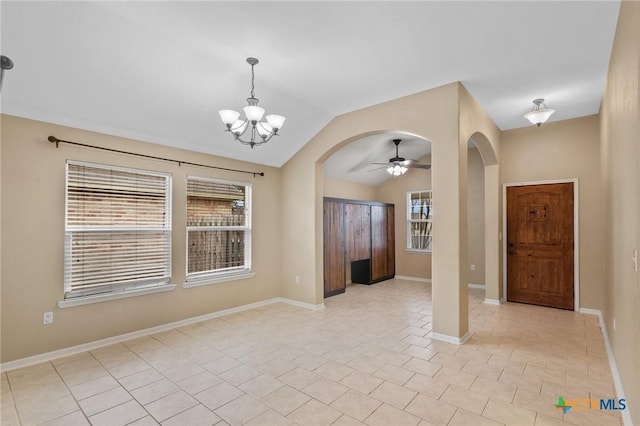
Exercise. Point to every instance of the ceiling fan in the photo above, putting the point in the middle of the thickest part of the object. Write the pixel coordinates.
(399, 165)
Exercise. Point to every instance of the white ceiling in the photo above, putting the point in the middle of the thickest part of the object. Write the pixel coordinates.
(160, 71)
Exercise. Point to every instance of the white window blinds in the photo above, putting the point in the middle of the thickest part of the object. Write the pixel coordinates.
(218, 228)
(118, 229)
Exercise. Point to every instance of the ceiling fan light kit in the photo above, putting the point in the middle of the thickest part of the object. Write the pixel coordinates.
(540, 113)
(261, 131)
(397, 170)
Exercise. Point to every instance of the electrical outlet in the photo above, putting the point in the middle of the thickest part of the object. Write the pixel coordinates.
(47, 318)
(297, 279)
(473, 267)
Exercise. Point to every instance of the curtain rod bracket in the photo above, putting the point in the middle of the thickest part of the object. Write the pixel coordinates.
(57, 141)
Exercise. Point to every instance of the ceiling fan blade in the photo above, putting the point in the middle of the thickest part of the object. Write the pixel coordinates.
(383, 164)
(377, 168)
(414, 164)
(419, 166)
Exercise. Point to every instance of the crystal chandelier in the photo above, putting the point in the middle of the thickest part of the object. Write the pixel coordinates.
(261, 131)
(539, 115)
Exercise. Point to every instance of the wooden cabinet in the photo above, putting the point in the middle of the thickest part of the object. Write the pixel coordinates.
(359, 234)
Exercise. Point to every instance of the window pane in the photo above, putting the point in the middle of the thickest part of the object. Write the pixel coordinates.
(215, 204)
(118, 229)
(104, 197)
(211, 251)
(419, 220)
(113, 258)
(213, 207)
(420, 236)
(421, 207)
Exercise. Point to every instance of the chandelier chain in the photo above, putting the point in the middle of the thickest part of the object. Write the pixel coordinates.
(253, 95)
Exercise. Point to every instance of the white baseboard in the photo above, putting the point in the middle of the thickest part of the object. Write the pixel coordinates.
(428, 280)
(408, 278)
(48, 356)
(450, 339)
(492, 301)
(298, 304)
(617, 380)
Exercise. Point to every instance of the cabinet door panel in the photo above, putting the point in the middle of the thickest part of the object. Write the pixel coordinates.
(379, 260)
(358, 230)
(334, 254)
(391, 242)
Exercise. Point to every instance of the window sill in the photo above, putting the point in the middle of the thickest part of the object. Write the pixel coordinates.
(85, 300)
(414, 251)
(219, 279)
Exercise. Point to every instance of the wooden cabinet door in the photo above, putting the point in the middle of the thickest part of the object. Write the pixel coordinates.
(334, 248)
(358, 230)
(379, 243)
(540, 245)
(391, 241)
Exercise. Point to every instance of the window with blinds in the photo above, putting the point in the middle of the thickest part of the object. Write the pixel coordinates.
(117, 229)
(419, 221)
(218, 228)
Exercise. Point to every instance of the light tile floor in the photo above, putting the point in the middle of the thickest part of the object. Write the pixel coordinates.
(365, 359)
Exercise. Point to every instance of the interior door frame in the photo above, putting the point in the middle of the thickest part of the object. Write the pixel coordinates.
(576, 235)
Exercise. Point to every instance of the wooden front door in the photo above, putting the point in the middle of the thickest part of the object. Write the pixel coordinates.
(540, 245)
(334, 253)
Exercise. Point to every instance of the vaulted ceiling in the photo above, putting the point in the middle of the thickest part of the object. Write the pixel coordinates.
(160, 71)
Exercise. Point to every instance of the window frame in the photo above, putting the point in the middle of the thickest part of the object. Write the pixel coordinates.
(410, 221)
(196, 279)
(125, 289)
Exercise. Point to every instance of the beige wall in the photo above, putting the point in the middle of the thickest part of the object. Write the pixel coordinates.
(562, 150)
(348, 190)
(620, 162)
(475, 217)
(33, 176)
(476, 125)
(394, 190)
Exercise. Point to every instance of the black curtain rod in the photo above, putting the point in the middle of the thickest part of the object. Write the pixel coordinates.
(57, 141)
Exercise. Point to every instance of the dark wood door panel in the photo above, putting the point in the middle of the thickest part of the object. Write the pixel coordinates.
(382, 242)
(358, 223)
(391, 242)
(540, 245)
(334, 249)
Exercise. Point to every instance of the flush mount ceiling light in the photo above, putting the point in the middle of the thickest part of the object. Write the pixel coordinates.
(261, 131)
(540, 113)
